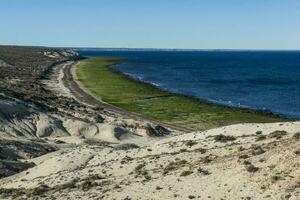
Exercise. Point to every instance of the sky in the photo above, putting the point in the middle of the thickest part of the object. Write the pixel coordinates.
(180, 24)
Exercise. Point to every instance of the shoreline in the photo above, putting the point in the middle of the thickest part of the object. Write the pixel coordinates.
(201, 100)
(84, 96)
(211, 108)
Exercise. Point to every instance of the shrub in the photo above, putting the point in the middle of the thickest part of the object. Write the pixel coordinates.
(277, 134)
(297, 136)
(186, 173)
(224, 138)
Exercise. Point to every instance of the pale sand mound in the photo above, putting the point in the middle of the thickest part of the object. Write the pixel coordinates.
(28, 131)
(21, 119)
(246, 161)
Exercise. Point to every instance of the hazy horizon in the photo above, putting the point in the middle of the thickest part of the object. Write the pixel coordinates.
(235, 25)
(142, 48)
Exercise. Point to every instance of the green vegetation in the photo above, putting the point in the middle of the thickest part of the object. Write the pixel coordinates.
(118, 89)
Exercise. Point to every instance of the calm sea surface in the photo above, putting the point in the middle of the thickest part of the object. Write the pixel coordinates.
(254, 79)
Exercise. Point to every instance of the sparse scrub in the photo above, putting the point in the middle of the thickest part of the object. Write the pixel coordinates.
(297, 136)
(258, 150)
(277, 134)
(190, 143)
(203, 171)
(260, 138)
(186, 173)
(174, 166)
(224, 138)
(139, 167)
(276, 178)
(258, 132)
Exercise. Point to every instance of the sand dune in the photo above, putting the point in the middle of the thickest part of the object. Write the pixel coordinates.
(248, 164)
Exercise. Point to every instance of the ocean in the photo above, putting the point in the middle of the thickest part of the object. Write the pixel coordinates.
(267, 80)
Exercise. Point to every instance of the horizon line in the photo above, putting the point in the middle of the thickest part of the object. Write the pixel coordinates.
(153, 48)
(176, 49)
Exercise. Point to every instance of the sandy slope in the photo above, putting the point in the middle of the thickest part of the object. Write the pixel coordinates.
(194, 165)
(30, 128)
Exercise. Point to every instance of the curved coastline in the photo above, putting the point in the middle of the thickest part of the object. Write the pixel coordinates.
(202, 100)
(85, 96)
(247, 115)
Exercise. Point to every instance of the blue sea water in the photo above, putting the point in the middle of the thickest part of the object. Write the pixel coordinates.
(267, 80)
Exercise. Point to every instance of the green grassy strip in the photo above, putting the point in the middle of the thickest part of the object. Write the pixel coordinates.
(117, 89)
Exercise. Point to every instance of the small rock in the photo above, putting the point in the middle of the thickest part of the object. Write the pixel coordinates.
(251, 168)
(257, 151)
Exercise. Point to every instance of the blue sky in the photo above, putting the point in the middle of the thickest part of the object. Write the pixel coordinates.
(195, 24)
